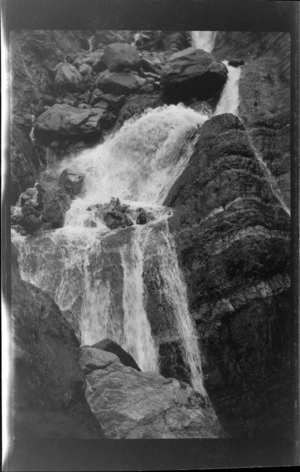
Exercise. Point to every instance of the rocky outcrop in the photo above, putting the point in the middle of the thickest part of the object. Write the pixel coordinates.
(48, 394)
(120, 56)
(192, 73)
(111, 346)
(66, 120)
(55, 204)
(135, 405)
(67, 77)
(119, 83)
(233, 236)
(71, 179)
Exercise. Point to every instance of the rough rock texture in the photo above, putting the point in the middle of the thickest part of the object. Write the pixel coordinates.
(136, 105)
(265, 95)
(121, 56)
(67, 120)
(113, 347)
(72, 181)
(55, 204)
(233, 236)
(134, 405)
(67, 77)
(24, 163)
(192, 73)
(119, 83)
(48, 395)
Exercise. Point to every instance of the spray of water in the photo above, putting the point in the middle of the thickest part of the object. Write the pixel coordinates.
(204, 40)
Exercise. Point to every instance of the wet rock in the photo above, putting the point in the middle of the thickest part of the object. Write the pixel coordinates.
(72, 181)
(116, 219)
(66, 120)
(94, 59)
(115, 102)
(67, 76)
(48, 382)
(111, 346)
(192, 73)
(119, 83)
(133, 404)
(143, 217)
(121, 56)
(56, 202)
(136, 105)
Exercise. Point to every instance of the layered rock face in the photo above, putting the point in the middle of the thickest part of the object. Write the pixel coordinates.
(48, 397)
(132, 404)
(264, 95)
(233, 236)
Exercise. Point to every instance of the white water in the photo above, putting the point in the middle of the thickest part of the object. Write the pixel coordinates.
(91, 42)
(230, 97)
(138, 165)
(204, 40)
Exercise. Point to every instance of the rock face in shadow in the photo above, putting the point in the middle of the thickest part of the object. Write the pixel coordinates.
(233, 241)
(48, 394)
(55, 204)
(136, 405)
(192, 73)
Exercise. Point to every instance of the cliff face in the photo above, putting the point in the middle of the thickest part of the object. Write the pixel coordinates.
(231, 231)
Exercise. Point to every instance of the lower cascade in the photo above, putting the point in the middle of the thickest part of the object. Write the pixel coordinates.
(95, 274)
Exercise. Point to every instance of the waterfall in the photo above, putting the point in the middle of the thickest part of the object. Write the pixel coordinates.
(97, 274)
(230, 98)
(204, 40)
(91, 42)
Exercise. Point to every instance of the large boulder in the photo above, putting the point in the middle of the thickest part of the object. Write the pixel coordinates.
(136, 105)
(121, 56)
(55, 204)
(72, 181)
(119, 83)
(113, 347)
(133, 405)
(48, 384)
(192, 73)
(65, 120)
(67, 76)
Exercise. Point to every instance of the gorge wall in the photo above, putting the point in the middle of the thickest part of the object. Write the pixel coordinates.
(203, 285)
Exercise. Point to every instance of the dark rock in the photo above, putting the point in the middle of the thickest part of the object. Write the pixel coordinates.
(72, 180)
(24, 163)
(65, 120)
(143, 217)
(192, 73)
(147, 88)
(31, 220)
(232, 236)
(121, 56)
(67, 76)
(48, 391)
(119, 83)
(94, 59)
(149, 66)
(236, 62)
(55, 204)
(115, 102)
(113, 347)
(136, 105)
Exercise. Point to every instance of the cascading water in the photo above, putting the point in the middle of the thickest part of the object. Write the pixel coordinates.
(80, 265)
(204, 40)
(230, 98)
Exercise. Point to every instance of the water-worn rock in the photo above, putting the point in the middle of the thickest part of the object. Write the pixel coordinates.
(121, 56)
(65, 120)
(233, 241)
(134, 405)
(119, 83)
(67, 76)
(55, 204)
(136, 105)
(192, 73)
(72, 181)
(113, 347)
(48, 393)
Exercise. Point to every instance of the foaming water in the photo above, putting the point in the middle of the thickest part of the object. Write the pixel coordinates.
(230, 98)
(97, 274)
(204, 40)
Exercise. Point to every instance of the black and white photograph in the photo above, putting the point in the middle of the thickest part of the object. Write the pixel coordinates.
(149, 211)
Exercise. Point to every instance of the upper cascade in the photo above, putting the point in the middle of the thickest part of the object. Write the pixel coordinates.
(204, 40)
